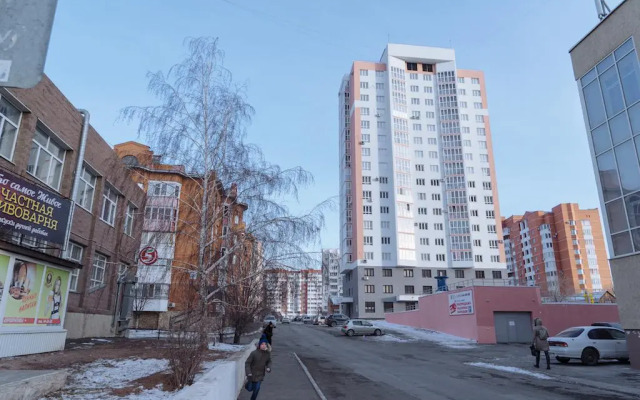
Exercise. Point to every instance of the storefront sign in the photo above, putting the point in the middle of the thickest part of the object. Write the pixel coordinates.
(28, 209)
(461, 303)
(24, 290)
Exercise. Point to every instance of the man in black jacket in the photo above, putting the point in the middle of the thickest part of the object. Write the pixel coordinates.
(256, 367)
(269, 332)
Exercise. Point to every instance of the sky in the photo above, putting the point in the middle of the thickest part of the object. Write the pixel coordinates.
(292, 55)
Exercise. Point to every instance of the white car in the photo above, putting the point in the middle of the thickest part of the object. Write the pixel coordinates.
(589, 344)
(269, 318)
(360, 327)
(285, 320)
(307, 319)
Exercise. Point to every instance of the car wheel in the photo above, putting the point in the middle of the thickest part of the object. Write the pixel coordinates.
(333, 324)
(564, 360)
(623, 360)
(377, 332)
(350, 332)
(589, 356)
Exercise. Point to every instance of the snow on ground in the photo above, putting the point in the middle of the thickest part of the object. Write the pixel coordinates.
(443, 339)
(509, 369)
(226, 347)
(387, 338)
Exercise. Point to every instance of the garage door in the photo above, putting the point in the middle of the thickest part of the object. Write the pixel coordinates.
(513, 327)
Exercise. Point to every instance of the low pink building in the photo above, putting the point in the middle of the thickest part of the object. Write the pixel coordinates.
(499, 314)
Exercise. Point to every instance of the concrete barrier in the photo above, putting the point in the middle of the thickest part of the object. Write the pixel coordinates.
(223, 381)
(30, 385)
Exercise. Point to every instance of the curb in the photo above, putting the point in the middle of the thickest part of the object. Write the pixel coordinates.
(313, 382)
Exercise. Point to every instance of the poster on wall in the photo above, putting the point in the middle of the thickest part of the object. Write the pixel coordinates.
(53, 297)
(461, 303)
(23, 296)
(4, 268)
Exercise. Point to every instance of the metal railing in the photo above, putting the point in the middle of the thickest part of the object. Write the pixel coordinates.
(483, 282)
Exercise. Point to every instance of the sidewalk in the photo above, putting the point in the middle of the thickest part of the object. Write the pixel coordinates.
(287, 380)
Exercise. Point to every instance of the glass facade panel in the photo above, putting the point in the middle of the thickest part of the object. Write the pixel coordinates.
(635, 236)
(630, 77)
(608, 176)
(616, 216)
(611, 92)
(632, 202)
(624, 49)
(588, 77)
(601, 139)
(593, 102)
(628, 167)
(604, 64)
(621, 244)
(619, 127)
(634, 118)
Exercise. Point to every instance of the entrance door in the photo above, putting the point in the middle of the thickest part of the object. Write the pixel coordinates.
(513, 327)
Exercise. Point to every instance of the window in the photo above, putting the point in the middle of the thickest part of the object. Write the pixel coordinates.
(386, 240)
(99, 267)
(379, 85)
(427, 290)
(73, 284)
(479, 118)
(74, 252)
(435, 196)
(437, 211)
(420, 182)
(409, 289)
(440, 257)
(164, 189)
(475, 81)
(488, 199)
(466, 143)
(497, 258)
(128, 219)
(424, 241)
(430, 114)
(46, 160)
(369, 289)
(369, 306)
(497, 274)
(477, 93)
(408, 273)
(364, 124)
(9, 123)
(478, 258)
(422, 210)
(477, 106)
(86, 189)
(388, 307)
(368, 240)
(433, 154)
(435, 182)
(473, 199)
(366, 209)
(385, 224)
(387, 272)
(462, 92)
(419, 167)
(366, 180)
(366, 166)
(481, 132)
(491, 228)
(364, 85)
(426, 273)
(465, 129)
(364, 97)
(384, 210)
(493, 244)
(109, 205)
(459, 273)
(474, 213)
(439, 242)
(368, 255)
(431, 128)
(475, 228)
(387, 288)
(415, 101)
(364, 72)
(368, 225)
(438, 226)
(411, 305)
(364, 110)
(441, 272)
(419, 153)
(386, 256)
(423, 226)
(479, 274)
(464, 117)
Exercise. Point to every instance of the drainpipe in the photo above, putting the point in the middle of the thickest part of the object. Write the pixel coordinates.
(76, 180)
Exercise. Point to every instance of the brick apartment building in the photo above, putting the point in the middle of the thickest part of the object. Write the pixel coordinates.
(50, 294)
(562, 251)
(294, 292)
(168, 286)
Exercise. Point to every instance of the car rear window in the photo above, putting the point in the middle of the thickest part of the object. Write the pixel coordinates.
(570, 332)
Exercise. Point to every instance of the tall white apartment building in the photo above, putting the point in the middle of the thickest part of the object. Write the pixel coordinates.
(293, 292)
(418, 193)
(331, 278)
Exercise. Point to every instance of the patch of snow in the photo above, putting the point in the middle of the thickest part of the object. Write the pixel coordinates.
(444, 339)
(226, 347)
(388, 338)
(509, 369)
(102, 340)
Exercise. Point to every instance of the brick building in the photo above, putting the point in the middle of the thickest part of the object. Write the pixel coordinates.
(168, 286)
(54, 294)
(562, 251)
(294, 292)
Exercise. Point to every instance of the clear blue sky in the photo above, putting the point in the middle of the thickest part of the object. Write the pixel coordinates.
(292, 55)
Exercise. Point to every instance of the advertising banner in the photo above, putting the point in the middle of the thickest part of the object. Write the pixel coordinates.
(28, 209)
(4, 268)
(23, 296)
(461, 303)
(53, 297)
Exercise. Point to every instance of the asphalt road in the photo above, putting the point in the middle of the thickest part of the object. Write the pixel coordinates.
(379, 368)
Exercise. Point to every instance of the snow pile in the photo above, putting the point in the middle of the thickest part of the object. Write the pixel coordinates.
(388, 338)
(226, 347)
(509, 369)
(413, 334)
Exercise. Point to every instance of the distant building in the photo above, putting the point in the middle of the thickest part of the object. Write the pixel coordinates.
(331, 278)
(293, 292)
(562, 251)
(607, 72)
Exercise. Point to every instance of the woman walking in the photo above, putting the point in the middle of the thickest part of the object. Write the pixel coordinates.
(540, 342)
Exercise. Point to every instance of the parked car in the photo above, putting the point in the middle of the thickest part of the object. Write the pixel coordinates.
(336, 319)
(589, 344)
(360, 327)
(320, 320)
(307, 319)
(285, 320)
(269, 318)
(611, 324)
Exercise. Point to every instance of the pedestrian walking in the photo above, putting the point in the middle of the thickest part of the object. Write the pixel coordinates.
(268, 330)
(540, 342)
(256, 367)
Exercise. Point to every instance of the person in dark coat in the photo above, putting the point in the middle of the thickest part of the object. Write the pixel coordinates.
(269, 332)
(540, 342)
(256, 367)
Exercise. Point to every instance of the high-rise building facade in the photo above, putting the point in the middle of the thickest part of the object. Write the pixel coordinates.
(293, 292)
(562, 251)
(331, 278)
(607, 71)
(417, 179)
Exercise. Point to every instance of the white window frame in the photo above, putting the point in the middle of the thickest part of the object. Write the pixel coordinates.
(39, 148)
(82, 199)
(68, 254)
(98, 270)
(4, 120)
(129, 219)
(73, 279)
(108, 202)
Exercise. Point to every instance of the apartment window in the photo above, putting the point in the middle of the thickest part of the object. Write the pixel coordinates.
(384, 210)
(460, 80)
(419, 154)
(411, 305)
(369, 306)
(385, 224)
(481, 132)
(477, 106)
(163, 189)
(369, 288)
(475, 228)
(387, 288)
(419, 167)
(366, 180)
(425, 257)
(99, 267)
(479, 118)
(366, 209)
(437, 211)
(364, 72)
(479, 274)
(462, 92)
(465, 129)
(482, 144)
(368, 240)
(431, 128)
(415, 101)
(459, 273)
(387, 272)
(439, 242)
(424, 241)
(477, 93)
(497, 258)
(422, 210)
(364, 124)
(423, 226)
(438, 226)
(366, 152)
(430, 114)
(478, 258)
(490, 214)
(386, 240)
(427, 289)
(466, 143)
(491, 228)
(46, 160)
(364, 85)
(473, 199)
(468, 156)
(73, 284)
(426, 273)
(128, 219)
(428, 89)
(86, 189)
(441, 272)
(475, 81)
(364, 110)
(368, 255)
(422, 196)
(493, 244)
(435, 196)
(386, 256)
(408, 273)
(417, 140)
(409, 289)
(488, 199)
(435, 182)
(364, 97)
(109, 205)
(366, 166)
(379, 85)
(440, 257)
(9, 123)
(464, 117)
(74, 252)
(368, 225)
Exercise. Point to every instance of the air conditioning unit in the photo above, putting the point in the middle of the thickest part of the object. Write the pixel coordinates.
(365, 278)
(171, 305)
(378, 115)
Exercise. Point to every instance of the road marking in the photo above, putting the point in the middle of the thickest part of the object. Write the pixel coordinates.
(313, 382)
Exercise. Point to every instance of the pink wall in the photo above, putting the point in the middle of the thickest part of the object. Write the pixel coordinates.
(433, 312)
